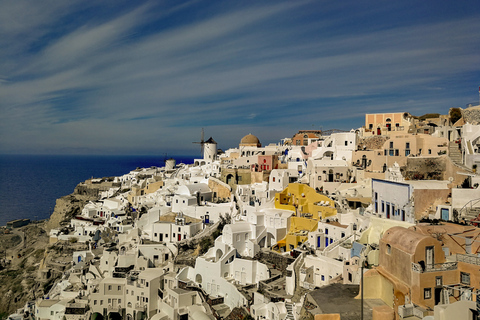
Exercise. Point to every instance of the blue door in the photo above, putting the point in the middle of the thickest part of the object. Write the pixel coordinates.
(326, 242)
(444, 214)
(207, 219)
(318, 242)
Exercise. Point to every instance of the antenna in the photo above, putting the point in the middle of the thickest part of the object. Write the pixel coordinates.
(202, 141)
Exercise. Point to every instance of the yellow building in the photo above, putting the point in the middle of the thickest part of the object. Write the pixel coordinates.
(309, 207)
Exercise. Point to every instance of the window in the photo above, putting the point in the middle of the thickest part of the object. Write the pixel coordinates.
(429, 151)
(273, 179)
(427, 293)
(465, 278)
(397, 153)
(407, 153)
(326, 231)
(109, 300)
(391, 144)
(119, 288)
(346, 143)
(407, 145)
(383, 206)
(370, 126)
(389, 249)
(391, 152)
(323, 277)
(101, 302)
(94, 302)
(438, 281)
(109, 288)
(178, 229)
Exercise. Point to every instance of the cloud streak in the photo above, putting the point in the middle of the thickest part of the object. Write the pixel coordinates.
(144, 79)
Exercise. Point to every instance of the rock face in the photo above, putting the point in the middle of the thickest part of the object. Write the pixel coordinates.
(18, 278)
(66, 208)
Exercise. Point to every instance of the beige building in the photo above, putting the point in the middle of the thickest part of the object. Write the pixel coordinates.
(387, 123)
(414, 274)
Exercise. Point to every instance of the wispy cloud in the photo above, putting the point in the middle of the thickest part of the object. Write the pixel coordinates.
(145, 78)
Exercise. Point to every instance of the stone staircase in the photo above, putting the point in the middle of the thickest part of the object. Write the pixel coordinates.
(471, 213)
(289, 307)
(455, 153)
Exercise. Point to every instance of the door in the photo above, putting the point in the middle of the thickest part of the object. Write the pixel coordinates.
(429, 257)
(379, 131)
(318, 242)
(179, 237)
(444, 214)
(207, 218)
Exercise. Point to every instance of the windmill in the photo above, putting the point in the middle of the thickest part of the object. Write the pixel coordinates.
(202, 141)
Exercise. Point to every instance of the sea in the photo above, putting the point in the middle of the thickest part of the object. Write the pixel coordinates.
(30, 184)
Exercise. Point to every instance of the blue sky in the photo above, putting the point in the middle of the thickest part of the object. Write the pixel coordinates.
(143, 77)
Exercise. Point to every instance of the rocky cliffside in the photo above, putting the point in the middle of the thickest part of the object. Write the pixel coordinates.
(68, 206)
(27, 261)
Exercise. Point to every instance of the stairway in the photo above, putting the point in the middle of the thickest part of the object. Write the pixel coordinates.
(289, 307)
(455, 153)
(471, 213)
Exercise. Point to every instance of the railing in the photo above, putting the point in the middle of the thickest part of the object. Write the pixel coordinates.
(469, 205)
(468, 258)
(436, 267)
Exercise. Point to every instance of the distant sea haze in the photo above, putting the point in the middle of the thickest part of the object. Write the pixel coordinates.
(30, 184)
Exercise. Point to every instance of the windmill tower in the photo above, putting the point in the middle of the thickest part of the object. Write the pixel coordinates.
(208, 148)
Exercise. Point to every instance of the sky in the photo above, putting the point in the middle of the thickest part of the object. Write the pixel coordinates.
(144, 77)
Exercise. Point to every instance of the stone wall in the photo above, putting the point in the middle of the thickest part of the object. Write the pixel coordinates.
(279, 261)
(220, 189)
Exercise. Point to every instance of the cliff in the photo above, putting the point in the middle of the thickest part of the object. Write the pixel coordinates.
(69, 206)
(28, 264)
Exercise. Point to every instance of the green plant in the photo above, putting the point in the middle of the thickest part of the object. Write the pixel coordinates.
(455, 114)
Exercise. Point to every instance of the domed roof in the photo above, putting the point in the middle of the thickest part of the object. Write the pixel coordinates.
(250, 140)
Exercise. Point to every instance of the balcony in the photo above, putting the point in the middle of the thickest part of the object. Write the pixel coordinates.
(447, 266)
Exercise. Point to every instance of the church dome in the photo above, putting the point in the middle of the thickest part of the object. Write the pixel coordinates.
(250, 140)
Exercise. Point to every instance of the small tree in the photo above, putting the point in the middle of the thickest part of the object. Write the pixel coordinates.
(455, 114)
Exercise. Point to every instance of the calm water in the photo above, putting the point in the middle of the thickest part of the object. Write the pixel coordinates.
(29, 185)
